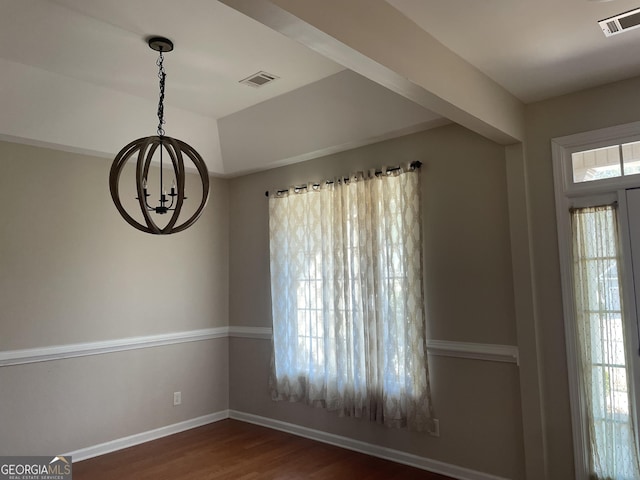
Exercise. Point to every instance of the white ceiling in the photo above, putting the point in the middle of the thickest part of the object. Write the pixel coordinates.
(78, 75)
(536, 49)
(103, 42)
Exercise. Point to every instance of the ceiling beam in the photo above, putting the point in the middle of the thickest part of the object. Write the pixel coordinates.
(375, 40)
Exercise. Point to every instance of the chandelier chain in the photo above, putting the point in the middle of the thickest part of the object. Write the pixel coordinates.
(162, 76)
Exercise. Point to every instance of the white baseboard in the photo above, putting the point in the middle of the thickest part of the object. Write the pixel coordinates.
(417, 461)
(137, 439)
(423, 463)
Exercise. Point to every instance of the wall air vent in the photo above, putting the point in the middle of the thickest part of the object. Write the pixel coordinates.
(259, 79)
(621, 22)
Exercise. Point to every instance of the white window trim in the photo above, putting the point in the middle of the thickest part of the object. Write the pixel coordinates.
(563, 147)
(574, 195)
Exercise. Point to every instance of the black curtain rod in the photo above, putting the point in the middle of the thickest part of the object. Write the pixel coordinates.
(412, 165)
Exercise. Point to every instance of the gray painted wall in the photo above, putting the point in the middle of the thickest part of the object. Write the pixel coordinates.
(613, 104)
(468, 288)
(72, 270)
(66, 405)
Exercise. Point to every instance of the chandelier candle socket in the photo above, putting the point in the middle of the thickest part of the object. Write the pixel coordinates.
(146, 149)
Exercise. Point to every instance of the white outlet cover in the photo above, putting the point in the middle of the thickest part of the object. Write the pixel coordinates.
(436, 428)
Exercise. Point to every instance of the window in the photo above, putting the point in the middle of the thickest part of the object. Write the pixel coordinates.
(601, 345)
(347, 301)
(607, 162)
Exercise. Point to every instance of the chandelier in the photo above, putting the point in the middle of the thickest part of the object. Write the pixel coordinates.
(160, 147)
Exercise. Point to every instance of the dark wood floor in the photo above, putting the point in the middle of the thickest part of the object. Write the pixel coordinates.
(236, 450)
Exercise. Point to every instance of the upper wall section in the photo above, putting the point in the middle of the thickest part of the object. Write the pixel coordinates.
(466, 230)
(72, 270)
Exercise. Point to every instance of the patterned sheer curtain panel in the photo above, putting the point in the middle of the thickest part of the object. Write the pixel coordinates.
(348, 299)
(601, 338)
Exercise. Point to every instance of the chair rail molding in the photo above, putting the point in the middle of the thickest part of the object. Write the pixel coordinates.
(476, 351)
(473, 351)
(59, 352)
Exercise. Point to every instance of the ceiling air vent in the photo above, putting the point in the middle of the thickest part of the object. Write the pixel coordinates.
(259, 79)
(621, 22)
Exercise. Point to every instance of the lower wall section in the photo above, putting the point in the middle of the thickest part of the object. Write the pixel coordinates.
(70, 404)
(476, 402)
(96, 404)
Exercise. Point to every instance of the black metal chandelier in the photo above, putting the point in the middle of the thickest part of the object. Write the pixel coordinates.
(146, 148)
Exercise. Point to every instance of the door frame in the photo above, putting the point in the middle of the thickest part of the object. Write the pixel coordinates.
(575, 195)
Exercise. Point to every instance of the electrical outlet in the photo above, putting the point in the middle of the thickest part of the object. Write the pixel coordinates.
(177, 398)
(435, 432)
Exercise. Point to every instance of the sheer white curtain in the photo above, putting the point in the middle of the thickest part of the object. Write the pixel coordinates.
(601, 338)
(347, 298)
